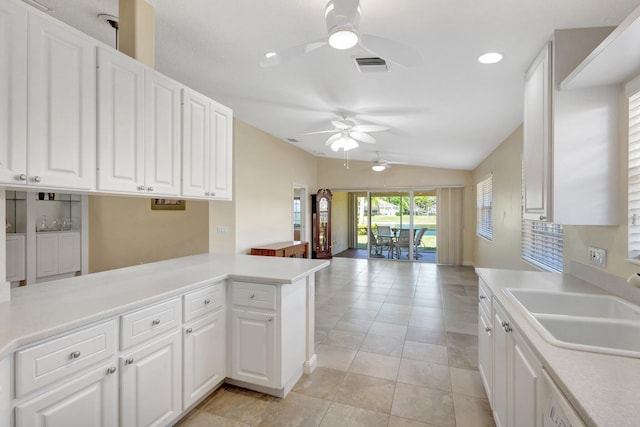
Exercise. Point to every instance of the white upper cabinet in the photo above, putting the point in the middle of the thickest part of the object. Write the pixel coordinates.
(162, 134)
(120, 122)
(61, 106)
(206, 147)
(571, 138)
(13, 87)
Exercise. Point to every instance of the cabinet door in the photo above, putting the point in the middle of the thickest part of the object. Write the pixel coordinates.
(484, 351)
(501, 357)
(525, 374)
(537, 138)
(13, 87)
(68, 252)
(151, 383)
(62, 106)
(221, 159)
(162, 134)
(47, 254)
(15, 258)
(204, 356)
(91, 400)
(196, 144)
(120, 123)
(253, 347)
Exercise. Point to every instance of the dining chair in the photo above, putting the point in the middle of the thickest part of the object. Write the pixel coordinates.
(417, 242)
(404, 241)
(375, 245)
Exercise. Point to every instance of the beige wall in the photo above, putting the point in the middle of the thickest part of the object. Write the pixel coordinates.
(503, 251)
(124, 231)
(334, 175)
(265, 171)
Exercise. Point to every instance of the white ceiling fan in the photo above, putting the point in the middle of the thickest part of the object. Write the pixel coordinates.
(381, 164)
(347, 134)
(343, 19)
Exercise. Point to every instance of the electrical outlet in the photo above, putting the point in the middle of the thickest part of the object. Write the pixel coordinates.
(598, 256)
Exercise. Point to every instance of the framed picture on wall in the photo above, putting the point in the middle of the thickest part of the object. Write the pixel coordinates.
(168, 205)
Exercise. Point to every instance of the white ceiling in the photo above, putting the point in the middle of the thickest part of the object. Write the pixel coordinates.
(449, 112)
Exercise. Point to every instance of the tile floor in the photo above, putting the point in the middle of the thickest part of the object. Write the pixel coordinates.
(396, 345)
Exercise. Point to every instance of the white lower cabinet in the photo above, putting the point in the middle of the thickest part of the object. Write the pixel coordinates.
(57, 253)
(151, 386)
(516, 376)
(91, 400)
(484, 351)
(16, 269)
(204, 358)
(253, 347)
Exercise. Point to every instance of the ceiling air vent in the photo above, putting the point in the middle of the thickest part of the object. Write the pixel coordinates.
(371, 65)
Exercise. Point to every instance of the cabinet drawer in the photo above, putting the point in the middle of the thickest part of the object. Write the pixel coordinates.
(203, 301)
(254, 295)
(60, 357)
(149, 322)
(484, 297)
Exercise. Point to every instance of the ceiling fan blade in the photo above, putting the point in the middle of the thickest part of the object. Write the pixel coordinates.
(291, 53)
(369, 128)
(320, 131)
(390, 50)
(333, 139)
(341, 124)
(360, 136)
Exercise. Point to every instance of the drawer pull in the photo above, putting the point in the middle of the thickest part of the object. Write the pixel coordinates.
(189, 330)
(252, 296)
(155, 322)
(482, 297)
(74, 355)
(207, 301)
(111, 370)
(22, 177)
(129, 361)
(487, 329)
(506, 326)
(271, 319)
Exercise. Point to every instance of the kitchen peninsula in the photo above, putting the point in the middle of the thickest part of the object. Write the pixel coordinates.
(142, 345)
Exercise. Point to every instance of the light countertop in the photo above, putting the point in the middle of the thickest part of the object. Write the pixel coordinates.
(603, 389)
(46, 309)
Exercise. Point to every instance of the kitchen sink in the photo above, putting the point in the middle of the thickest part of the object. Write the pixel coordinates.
(587, 322)
(574, 304)
(591, 334)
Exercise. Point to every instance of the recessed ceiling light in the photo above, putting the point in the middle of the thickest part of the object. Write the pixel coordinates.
(490, 58)
(270, 54)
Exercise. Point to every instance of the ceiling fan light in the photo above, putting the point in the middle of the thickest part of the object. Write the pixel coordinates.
(343, 38)
(378, 168)
(350, 144)
(338, 144)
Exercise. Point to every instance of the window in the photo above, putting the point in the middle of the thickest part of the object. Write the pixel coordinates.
(542, 244)
(484, 225)
(296, 212)
(634, 176)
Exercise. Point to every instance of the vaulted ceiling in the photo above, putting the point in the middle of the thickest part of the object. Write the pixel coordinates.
(450, 111)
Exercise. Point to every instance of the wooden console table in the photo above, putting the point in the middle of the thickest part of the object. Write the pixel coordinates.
(290, 249)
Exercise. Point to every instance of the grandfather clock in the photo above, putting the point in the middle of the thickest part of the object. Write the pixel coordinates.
(321, 216)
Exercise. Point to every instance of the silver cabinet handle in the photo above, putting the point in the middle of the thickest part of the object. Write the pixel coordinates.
(207, 194)
(155, 322)
(74, 355)
(212, 193)
(36, 179)
(482, 297)
(207, 301)
(506, 326)
(189, 330)
(111, 370)
(271, 319)
(543, 218)
(252, 296)
(129, 361)
(487, 329)
(140, 187)
(22, 177)
(149, 188)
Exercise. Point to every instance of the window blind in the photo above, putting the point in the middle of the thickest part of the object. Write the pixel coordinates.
(634, 176)
(542, 244)
(484, 225)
